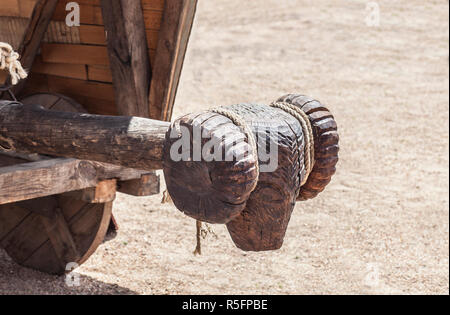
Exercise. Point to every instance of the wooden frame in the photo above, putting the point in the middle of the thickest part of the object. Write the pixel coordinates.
(136, 91)
(125, 59)
(48, 177)
(173, 39)
(127, 51)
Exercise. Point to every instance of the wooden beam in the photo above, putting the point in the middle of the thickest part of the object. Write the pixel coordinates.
(173, 38)
(105, 191)
(38, 179)
(55, 176)
(33, 36)
(146, 185)
(128, 141)
(128, 55)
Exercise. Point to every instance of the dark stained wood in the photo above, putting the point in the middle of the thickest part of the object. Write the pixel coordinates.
(257, 212)
(326, 141)
(263, 223)
(172, 44)
(34, 34)
(210, 192)
(128, 56)
(128, 141)
(256, 219)
(48, 244)
(69, 229)
(61, 237)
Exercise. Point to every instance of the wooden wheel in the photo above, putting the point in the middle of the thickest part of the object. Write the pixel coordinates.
(49, 233)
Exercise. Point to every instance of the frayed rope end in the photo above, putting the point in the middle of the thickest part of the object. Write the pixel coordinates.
(9, 61)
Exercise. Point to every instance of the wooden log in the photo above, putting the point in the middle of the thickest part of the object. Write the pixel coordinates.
(34, 34)
(127, 141)
(175, 30)
(128, 56)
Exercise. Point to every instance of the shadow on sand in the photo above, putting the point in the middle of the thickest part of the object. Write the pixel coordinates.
(15, 279)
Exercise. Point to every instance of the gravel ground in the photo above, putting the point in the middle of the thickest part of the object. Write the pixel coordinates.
(381, 227)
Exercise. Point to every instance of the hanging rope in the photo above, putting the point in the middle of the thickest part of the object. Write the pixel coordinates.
(303, 118)
(9, 61)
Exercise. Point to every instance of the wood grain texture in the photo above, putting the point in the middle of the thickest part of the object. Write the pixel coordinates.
(326, 144)
(262, 225)
(128, 141)
(128, 56)
(20, 180)
(38, 179)
(217, 191)
(147, 185)
(48, 233)
(174, 34)
(49, 243)
(103, 192)
(34, 34)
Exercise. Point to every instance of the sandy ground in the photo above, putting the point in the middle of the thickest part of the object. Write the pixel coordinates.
(381, 227)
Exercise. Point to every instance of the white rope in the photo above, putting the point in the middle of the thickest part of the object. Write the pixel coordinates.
(9, 61)
(303, 118)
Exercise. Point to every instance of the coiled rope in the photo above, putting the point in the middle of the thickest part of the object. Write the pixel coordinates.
(240, 122)
(303, 118)
(9, 61)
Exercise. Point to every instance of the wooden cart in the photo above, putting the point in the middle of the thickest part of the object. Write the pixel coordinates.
(125, 58)
(123, 63)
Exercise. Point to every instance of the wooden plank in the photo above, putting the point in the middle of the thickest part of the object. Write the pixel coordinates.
(97, 106)
(11, 218)
(105, 191)
(59, 32)
(99, 73)
(152, 39)
(157, 5)
(68, 86)
(60, 69)
(60, 236)
(34, 34)
(10, 8)
(26, 7)
(12, 30)
(152, 19)
(55, 176)
(75, 54)
(23, 240)
(147, 185)
(44, 178)
(36, 83)
(92, 34)
(89, 14)
(128, 56)
(173, 38)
